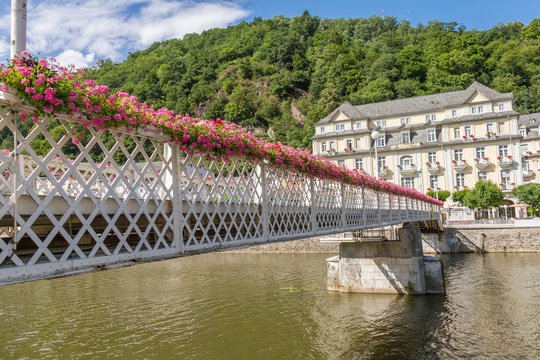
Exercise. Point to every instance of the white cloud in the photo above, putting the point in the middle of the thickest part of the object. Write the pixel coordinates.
(82, 31)
(73, 57)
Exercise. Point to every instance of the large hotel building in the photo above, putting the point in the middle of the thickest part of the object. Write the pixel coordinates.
(444, 141)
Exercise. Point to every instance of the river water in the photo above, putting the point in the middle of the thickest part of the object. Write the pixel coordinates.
(251, 306)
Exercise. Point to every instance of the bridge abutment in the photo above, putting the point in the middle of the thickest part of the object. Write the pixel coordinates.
(382, 266)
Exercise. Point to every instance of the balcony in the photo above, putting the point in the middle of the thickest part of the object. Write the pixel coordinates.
(481, 164)
(507, 186)
(433, 167)
(383, 171)
(528, 173)
(491, 135)
(407, 169)
(349, 150)
(459, 165)
(505, 162)
(468, 138)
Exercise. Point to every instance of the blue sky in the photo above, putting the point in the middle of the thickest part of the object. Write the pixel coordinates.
(83, 31)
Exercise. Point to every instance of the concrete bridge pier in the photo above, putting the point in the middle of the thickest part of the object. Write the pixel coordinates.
(382, 266)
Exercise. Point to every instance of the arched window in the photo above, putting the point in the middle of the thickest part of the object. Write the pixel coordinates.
(406, 161)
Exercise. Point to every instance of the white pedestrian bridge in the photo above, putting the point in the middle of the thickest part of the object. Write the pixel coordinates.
(145, 199)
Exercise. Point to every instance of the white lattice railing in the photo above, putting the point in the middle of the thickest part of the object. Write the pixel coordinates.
(146, 199)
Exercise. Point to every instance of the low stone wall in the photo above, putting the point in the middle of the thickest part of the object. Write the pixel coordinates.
(456, 239)
(493, 238)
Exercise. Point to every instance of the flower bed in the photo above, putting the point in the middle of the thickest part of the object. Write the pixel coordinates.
(53, 89)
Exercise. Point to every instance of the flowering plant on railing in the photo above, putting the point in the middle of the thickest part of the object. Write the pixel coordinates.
(53, 89)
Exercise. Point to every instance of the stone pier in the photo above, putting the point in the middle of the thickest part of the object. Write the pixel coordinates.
(381, 266)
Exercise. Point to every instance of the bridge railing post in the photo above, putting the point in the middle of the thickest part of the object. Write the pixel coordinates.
(343, 217)
(264, 198)
(313, 205)
(172, 181)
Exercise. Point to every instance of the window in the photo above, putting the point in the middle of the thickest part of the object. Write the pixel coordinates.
(407, 182)
(525, 165)
(501, 128)
(381, 162)
(406, 161)
(490, 129)
(358, 164)
(341, 162)
(322, 129)
(340, 127)
(523, 148)
(432, 157)
(457, 133)
(381, 141)
(480, 153)
(505, 179)
(381, 123)
(405, 137)
(405, 120)
(349, 144)
(323, 147)
(501, 107)
(358, 143)
(332, 145)
(503, 150)
(480, 109)
(468, 131)
(473, 110)
(433, 117)
(431, 135)
(434, 181)
(458, 154)
(523, 132)
(454, 113)
(482, 176)
(428, 117)
(359, 125)
(460, 180)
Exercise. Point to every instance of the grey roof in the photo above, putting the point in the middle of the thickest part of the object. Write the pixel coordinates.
(529, 120)
(346, 108)
(419, 103)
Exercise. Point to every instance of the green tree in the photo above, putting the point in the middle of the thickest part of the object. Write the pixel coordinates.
(458, 196)
(442, 195)
(529, 194)
(484, 195)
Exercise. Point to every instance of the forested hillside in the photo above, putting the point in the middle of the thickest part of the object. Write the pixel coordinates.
(284, 74)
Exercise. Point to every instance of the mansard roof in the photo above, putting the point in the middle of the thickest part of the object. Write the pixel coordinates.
(419, 104)
(529, 120)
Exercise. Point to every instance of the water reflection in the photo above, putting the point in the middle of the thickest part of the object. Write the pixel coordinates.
(232, 306)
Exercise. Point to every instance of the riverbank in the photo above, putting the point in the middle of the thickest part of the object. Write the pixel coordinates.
(456, 239)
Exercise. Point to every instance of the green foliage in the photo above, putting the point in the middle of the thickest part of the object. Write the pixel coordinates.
(529, 194)
(458, 196)
(485, 194)
(244, 72)
(442, 194)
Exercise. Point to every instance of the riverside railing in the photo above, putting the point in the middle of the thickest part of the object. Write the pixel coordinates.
(64, 211)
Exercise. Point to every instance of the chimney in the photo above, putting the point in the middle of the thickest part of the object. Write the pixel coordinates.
(18, 27)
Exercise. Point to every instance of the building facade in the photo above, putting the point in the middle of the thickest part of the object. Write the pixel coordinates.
(445, 141)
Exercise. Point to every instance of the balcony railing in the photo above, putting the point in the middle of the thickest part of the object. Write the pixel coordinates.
(528, 173)
(407, 169)
(459, 165)
(433, 167)
(481, 163)
(505, 161)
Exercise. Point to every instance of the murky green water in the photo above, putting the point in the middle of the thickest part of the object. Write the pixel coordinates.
(240, 306)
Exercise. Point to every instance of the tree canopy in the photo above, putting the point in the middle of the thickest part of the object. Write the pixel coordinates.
(485, 194)
(529, 194)
(284, 74)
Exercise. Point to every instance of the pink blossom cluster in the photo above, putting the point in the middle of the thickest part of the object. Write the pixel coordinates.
(53, 89)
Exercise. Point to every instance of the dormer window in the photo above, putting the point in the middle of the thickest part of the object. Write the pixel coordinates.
(473, 110)
(359, 125)
(340, 127)
(381, 123)
(405, 120)
(480, 109)
(405, 137)
(431, 135)
(454, 113)
(501, 107)
(322, 129)
(523, 132)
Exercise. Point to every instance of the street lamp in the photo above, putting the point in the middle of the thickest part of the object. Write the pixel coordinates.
(505, 213)
(375, 136)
